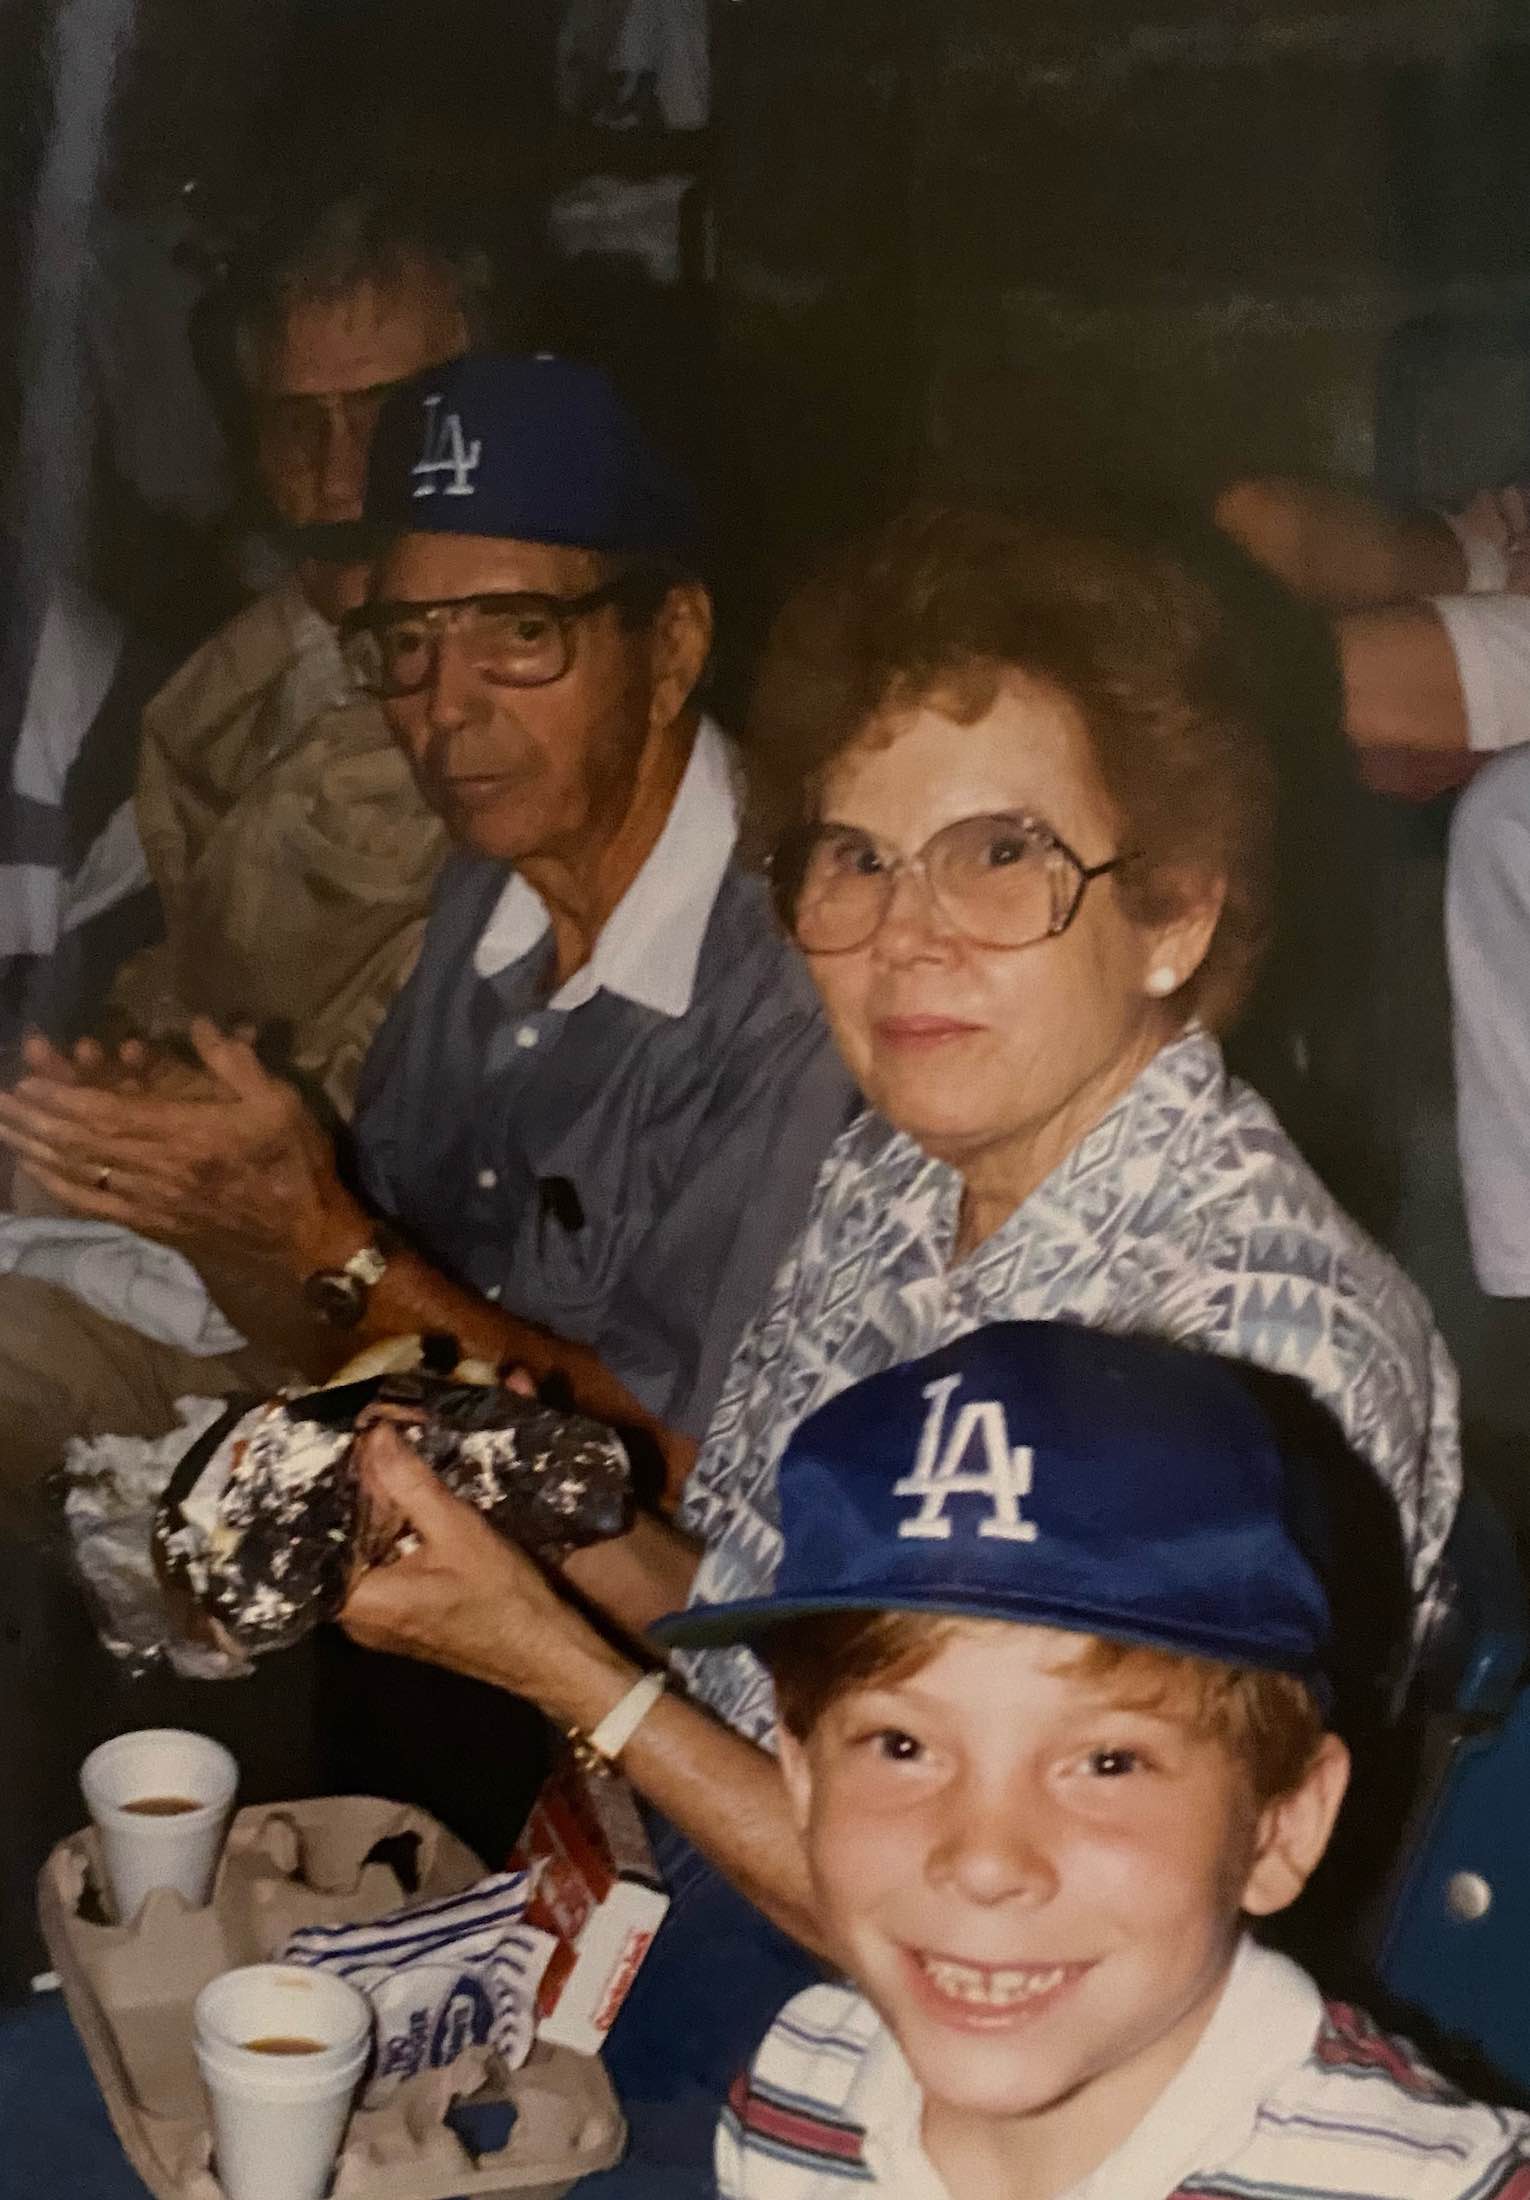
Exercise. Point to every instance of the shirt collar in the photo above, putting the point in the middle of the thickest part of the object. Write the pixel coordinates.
(650, 944)
(888, 2105)
(315, 679)
(1264, 2024)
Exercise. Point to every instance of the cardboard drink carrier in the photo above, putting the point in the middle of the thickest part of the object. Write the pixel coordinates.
(333, 1860)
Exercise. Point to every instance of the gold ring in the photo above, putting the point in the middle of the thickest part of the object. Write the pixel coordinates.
(103, 1180)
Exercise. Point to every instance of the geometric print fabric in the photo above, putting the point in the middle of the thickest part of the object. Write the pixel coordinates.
(1185, 1213)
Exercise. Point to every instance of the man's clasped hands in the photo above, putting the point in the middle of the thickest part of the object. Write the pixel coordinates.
(203, 1148)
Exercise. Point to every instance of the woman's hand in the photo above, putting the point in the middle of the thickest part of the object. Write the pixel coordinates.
(468, 1599)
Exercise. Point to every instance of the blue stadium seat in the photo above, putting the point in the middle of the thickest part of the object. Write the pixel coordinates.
(1453, 1940)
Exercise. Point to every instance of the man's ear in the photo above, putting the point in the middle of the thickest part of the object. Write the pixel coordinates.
(797, 1773)
(681, 643)
(1294, 1830)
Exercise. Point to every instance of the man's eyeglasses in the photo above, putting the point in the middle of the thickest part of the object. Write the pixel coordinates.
(1002, 881)
(514, 640)
(297, 424)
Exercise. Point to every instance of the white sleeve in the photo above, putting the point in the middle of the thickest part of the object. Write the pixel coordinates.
(1487, 910)
(1487, 564)
(1490, 640)
(730, 2162)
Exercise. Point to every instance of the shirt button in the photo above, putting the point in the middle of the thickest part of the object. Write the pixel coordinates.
(487, 1179)
(493, 1292)
(526, 1035)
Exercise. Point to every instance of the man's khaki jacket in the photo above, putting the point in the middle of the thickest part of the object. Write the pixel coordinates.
(293, 855)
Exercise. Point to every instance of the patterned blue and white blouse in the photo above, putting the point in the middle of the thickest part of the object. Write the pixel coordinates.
(1185, 1213)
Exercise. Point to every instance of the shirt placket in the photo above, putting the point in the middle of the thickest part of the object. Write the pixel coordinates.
(514, 1041)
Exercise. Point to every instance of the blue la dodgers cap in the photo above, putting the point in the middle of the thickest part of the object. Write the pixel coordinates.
(533, 449)
(1060, 1477)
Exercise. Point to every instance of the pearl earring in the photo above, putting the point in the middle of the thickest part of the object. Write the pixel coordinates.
(1162, 980)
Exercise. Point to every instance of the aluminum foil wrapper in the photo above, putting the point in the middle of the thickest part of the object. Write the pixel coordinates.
(113, 1486)
(263, 1527)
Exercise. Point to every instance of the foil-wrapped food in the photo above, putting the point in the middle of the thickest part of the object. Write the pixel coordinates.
(263, 1525)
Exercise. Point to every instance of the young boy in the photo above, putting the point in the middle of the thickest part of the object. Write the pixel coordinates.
(1052, 1654)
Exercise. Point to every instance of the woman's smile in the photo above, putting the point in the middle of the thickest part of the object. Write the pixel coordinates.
(917, 1033)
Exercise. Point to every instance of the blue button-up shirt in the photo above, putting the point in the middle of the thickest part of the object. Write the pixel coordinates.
(624, 1161)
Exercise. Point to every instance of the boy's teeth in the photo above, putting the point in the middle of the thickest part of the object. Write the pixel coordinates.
(987, 1988)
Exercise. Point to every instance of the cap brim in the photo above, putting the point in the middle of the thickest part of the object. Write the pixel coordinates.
(718, 1626)
(725, 1626)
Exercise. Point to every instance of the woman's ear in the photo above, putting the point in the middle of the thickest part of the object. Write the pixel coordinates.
(1294, 1831)
(796, 1772)
(681, 645)
(1178, 943)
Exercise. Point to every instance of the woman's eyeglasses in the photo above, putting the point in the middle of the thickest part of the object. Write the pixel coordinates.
(517, 640)
(1001, 881)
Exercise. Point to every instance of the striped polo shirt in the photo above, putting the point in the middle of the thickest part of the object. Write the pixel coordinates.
(1284, 2097)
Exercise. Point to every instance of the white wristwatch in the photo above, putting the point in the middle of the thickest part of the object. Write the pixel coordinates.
(598, 1750)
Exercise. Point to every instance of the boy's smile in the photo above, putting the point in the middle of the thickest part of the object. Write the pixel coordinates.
(982, 1994)
(1037, 1878)
(985, 1997)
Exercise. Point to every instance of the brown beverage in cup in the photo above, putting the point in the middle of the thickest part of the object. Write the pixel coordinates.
(281, 2051)
(160, 1798)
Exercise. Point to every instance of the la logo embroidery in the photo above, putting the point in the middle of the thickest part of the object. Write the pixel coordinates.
(445, 452)
(1003, 1474)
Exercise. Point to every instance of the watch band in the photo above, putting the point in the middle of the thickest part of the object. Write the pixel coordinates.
(599, 1750)
(368, 1266)
(340, 1295)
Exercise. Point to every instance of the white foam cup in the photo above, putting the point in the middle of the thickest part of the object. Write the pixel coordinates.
(141, 1851)
(278, 2118)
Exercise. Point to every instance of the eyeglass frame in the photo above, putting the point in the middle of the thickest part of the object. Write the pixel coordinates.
(291, 415)
(436, 611)
(1084, 876)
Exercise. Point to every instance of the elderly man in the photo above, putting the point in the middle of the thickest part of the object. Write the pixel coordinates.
(293, 858)
(607, 1052)
(293, 855)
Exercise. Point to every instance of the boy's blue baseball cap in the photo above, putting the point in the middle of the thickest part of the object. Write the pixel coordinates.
(1060, 1477)
(529, 449)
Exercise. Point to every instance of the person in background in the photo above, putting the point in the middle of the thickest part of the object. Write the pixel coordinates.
(1020, 802)
(639, 71)
(591, 1123)
(1057, 1669)
(74, 888)
(1430, 615)
(1431, 620)
(292, 854)
(291, 851)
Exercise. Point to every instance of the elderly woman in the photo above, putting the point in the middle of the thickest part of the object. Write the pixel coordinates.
(1024, 847)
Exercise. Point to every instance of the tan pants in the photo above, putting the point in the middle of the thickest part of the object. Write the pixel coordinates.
(67, 1371)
